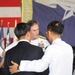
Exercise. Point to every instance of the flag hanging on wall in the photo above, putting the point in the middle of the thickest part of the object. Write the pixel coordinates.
(44, 15)
(10, 11)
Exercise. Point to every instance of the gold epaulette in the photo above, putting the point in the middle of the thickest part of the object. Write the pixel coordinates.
(43, 37)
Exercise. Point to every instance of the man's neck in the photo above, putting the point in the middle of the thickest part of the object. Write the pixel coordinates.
(55, 37)
(24, 38)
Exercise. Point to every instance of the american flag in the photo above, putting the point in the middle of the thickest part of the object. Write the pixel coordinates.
(10, 10)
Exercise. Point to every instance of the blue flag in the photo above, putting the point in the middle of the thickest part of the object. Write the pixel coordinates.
(2, 37)
(44, 15)
(8, 39)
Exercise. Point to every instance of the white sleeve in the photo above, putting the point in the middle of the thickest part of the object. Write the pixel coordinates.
(1, 50)
(36, 65)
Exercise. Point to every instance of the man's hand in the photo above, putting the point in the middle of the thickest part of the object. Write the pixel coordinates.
(14, 68)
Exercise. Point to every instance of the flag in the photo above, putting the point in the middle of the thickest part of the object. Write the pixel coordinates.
(15, 38)
(63, 2)
(2, 36)
(27, 10)
(44, 15)
(10, 11)
(8, 39)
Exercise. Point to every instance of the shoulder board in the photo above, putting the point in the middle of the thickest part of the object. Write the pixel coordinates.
(43, 37)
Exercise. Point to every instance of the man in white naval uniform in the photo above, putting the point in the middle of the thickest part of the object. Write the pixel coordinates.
(36, 39)
(58, 56)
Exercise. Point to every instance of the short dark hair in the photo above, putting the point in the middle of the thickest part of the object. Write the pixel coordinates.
(56, 27)
(21, 29)
(32, 22)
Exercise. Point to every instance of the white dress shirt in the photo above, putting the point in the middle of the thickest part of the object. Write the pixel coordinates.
(58, 56)
(11, 45)
(14, 44)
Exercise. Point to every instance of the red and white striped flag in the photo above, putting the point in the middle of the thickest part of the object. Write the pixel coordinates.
(10, 10)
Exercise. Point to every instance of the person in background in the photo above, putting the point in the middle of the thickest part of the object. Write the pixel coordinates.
(23, 50)
(36, 39)
(58, 56)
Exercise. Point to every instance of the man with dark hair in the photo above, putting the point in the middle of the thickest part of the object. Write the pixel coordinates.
(58, 56)
(23, 50)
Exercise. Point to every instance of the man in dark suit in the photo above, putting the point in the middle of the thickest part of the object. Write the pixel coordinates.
(23, 50)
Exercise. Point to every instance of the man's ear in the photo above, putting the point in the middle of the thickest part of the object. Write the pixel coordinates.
(49, 33)
(28, 34)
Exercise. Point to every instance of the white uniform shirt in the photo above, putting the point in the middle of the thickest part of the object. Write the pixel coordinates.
(58, 56)
(40, 42)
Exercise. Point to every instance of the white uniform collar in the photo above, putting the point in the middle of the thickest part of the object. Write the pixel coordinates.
(57, 40)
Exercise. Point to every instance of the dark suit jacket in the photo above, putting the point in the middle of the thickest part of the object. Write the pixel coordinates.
(23, 51)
